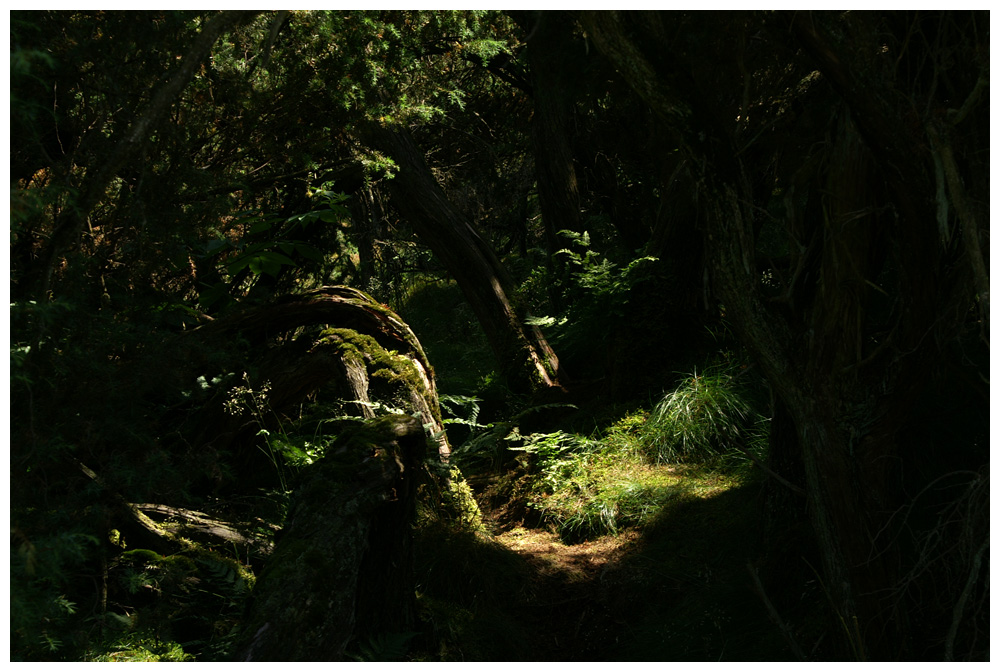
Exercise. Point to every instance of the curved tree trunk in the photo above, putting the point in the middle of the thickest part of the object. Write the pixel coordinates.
(525, 359)
(341, 570)
(342, 356)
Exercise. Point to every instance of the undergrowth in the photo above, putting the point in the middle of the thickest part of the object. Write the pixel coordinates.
(698, 440)
(708, 418)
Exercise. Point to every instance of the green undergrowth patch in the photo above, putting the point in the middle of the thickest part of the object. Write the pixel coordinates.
(590, 495)
(141, 648)
(179, 607)
(587, 487)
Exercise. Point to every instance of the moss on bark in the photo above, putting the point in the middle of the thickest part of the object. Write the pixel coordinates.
(342, 567)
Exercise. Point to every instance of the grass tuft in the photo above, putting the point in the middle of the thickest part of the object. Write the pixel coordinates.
(706, 419)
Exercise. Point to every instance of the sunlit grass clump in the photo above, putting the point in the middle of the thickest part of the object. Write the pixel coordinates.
(591, 487)
(708, 418)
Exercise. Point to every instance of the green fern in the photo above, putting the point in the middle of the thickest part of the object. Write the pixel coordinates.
(384, 647)
(224, 574)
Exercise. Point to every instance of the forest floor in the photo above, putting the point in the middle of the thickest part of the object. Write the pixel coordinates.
(676, 588)
(568, 614)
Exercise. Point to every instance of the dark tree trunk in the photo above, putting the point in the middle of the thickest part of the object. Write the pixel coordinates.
(552, 53)
(844, 423)
(342, 569)
(550, 46)
(364, 231)
(845, 363)
(785, 510)
(525, 359)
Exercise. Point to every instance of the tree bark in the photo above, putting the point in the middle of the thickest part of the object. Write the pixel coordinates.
(525, 359)
(342, 567)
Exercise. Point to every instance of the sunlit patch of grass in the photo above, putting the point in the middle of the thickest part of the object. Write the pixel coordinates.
(708, 418)
(589, 488)
(139, 648)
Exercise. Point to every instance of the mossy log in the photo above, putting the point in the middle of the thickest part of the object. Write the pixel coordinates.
(363, 340)
(188, 537)
(176, 530)
(203, 528)
(342, 566)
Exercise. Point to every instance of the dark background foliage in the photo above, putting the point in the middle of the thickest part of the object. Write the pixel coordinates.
(576, 212)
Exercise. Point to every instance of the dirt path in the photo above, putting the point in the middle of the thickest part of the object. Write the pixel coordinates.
(568, 610)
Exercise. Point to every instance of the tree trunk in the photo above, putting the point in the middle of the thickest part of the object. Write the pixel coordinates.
(844, 429)
(550, 46)
(341, 570)
(525, 359)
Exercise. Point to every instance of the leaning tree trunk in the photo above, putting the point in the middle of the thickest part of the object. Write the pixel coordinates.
(341, 570)
(524, 357)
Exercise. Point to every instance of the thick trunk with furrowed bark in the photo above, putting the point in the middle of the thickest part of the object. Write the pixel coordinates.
(874, 285)
(341, 570)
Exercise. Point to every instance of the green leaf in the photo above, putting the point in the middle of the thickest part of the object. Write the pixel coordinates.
(261, 227)
(241, 262)
(213, 295)
(309, 252)
(276, 258)
(216, 245)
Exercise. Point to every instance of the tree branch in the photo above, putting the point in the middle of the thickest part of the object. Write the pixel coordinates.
(605, 28)
(67, 230)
